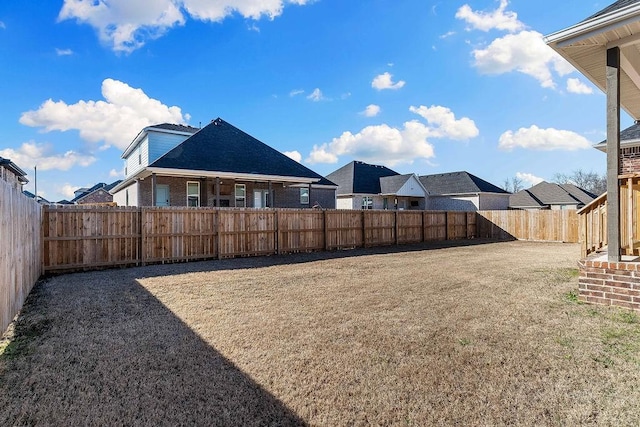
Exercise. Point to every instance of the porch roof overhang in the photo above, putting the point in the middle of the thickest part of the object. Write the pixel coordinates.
(585, 44)
(187, 173)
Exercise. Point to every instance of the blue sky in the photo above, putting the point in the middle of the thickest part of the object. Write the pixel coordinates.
(420, 86)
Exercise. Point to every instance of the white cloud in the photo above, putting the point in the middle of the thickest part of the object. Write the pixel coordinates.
(2, 25)
(296, 92)
(529, 179)
(576, 86)
(534, 138)
(115, 121)
(378, 144)
(447, 35)
(385, 81)
(525, 52)
(127, 24)
(116, 174)
(294, 155)
(43, 156)
(444, 123)
(316, 95)
(372, 110)
(499, 19)
(64, 52)
(67, 190)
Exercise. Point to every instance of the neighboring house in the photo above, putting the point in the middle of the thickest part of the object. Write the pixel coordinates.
(462, 191)
(365, 186)
(98, 194)
(546, 195)
(629, 149)
(39, 199)
(11, 173)
(218, 165)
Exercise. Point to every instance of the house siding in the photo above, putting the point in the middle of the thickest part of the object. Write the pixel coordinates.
(10, 177)
(120, 197)
(454, 203)
(161, 143)
(132, 164)
(493, 202)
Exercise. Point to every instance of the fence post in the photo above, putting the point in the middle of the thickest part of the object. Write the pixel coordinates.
(219, 233)
(364, 234)
(277, 232)
(141, 238)
(324, 229)
(397, 228)
(446, 226)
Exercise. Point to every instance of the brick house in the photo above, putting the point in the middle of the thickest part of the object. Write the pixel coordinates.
(217, 166)
(98, 194)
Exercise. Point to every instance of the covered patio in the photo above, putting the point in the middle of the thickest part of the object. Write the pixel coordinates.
(605, 48)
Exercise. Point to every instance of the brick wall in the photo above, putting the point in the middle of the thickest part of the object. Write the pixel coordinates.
(284, 197)
(610, 283)
(98, 196)
(630, 160)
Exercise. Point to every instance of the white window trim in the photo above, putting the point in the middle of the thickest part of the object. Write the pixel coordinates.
(367, 206)
(189, 195)
(243, 198)
(308, 194)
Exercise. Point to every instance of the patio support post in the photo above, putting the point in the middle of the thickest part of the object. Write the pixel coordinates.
(217, 192)
(153, 189)
(613, 153)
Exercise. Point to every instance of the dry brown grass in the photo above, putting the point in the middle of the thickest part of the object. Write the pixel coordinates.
(472, 335)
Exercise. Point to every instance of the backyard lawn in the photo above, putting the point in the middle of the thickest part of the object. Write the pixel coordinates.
(479, 334)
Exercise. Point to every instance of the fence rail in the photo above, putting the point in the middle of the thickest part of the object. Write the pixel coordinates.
(89, 237)
(20, 250)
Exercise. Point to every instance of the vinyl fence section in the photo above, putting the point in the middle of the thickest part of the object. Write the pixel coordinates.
(20, 250)
(539, 225)
(82, 238)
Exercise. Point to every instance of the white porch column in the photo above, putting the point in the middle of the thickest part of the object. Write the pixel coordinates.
(613, 154)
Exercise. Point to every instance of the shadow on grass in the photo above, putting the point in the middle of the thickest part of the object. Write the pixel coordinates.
(102, 350)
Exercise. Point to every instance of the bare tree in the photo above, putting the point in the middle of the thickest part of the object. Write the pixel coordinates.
(512, 185)
(590, 181)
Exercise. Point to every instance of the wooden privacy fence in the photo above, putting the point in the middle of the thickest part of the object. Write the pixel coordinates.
(20, 250)
(91, 237)
(538, 225)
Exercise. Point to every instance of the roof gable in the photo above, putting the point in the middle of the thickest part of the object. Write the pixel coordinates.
(620, 4)
(360, 178)
(458, 183)
(221, 147)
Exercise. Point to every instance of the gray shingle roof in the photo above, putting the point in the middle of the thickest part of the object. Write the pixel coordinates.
(392, 184)
(98, 186)
(612, 8)
(221, 147)
(458, 183)
(177, 128)
(546, 194)
(360, 178)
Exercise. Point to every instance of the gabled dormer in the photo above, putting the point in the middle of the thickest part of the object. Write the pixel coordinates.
(152, 143)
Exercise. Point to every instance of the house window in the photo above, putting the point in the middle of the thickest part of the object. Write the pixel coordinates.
(139, 157)
(385, 203)
(126, 197)
(193, 194)
(241, 199)
(367, 202)
(304, 196)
